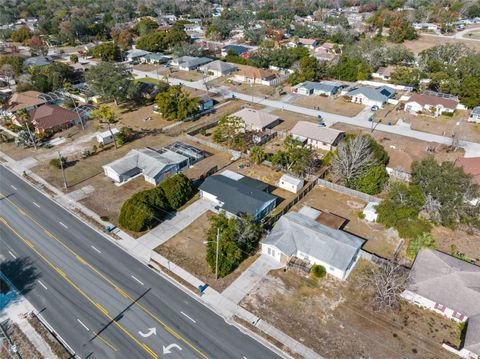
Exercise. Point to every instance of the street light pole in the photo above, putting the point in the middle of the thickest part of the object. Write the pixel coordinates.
(216, 254)
(63, 171)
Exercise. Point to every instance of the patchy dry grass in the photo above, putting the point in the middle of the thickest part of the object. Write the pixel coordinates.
(335, 319)
(187, 250)
(425, 42)
(337, 106)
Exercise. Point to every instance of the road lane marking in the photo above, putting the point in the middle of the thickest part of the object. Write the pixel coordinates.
(13, 255)
(63, 225)
(83, 325)
(107, 343)
(86, 296)
(193, 320)
(15, 188)
(95, 249)
(36, 204)
(106, 279)
(137, 279)
(43, 285)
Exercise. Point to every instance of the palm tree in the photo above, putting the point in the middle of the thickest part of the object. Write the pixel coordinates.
(25, 119)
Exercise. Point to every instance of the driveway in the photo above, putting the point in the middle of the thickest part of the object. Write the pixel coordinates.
(171, 226)
(250, 278)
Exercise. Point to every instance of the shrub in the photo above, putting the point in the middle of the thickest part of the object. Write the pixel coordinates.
(424, 240)
(178, 190)
(55, 162)
(318, 271)
(412, 228)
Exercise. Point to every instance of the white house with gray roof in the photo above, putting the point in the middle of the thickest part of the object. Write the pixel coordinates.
(218, 68)
(190, 63)
(317, 136)
(449, 287)
(300, 235)
(154, 165)
(326, 88)
(372, 96)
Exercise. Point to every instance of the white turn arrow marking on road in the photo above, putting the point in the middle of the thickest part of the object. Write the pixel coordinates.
(168, 349)
(150, 332)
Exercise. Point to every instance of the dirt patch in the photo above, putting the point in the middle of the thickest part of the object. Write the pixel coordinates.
(24, 346)
(425, 42)
(290, 119)
(142, 118)
(52, 342)
(337, 106)
(463, 242)
(334, 318)
(378, 241)
(186, 75)
(187, 250)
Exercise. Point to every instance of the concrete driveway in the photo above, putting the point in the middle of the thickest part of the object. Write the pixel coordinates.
(171, 226)
(250, 278)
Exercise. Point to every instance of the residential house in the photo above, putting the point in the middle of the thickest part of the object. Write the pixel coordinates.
(371, 96)
(316, 135)
(255, 120)
(310, 44)
(302, 235)
(430, 102)
(107, 137)
(37, 61)
(237, 194)
(218, 68)
(326, 88)
(327, 52)
(470, 165)
(290, 183)
(475, 115)
(155, 58)
(51, 118)
(449, 287)
(384, 73)
(154, 165)
(190, 63)
(253, 75)
(136, 55)
(27, 100)
(238, 50)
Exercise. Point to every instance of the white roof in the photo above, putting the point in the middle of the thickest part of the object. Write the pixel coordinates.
(108, 134)
(255, 118)
(291, 179)
(315, 132)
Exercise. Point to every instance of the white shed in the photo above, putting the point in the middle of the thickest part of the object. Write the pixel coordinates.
(106, 137)
(370, 211)
(290, 183)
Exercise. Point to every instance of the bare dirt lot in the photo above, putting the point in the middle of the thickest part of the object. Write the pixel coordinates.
(404, 150)
(379, 241)
(289, 119)
(462, 241)
(142, 119)
(335, 318)
(187, 250)
(338, 105)
(425, 42)
(186, 75)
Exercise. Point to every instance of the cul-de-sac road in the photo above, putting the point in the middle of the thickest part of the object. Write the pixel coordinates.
(103, 302)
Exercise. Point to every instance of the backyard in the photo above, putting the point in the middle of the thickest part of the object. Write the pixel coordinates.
(337, 105)
(187, 249)
(336, 320)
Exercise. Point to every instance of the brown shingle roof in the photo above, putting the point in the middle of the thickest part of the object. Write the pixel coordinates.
(22, 100)
(431, 100)
(51, 116)
(253, 72)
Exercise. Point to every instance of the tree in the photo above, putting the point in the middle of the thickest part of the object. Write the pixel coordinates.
(21, 35)
(318, 271)
(310, 69)
(123, 37)
(350, 69)
(372, 180)
(24, 139)
(401, 29)
(176, 104)
(111, 81)
(37, 46)
(178, 190)
(257, 155)
(145, 26)
(105, 113)
(108, 51)
(58, 162)
(230, 131)
(447, 184)
(387, 282)
(294, 157)
(16, 63)
(255, 36)
(424, 240)
(406, 76)
(73, 58)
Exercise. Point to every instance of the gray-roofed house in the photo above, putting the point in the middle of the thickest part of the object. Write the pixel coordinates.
(154, 165)
(256, 120)
(136, 55)
(237, 49)
(189, 63)
(155, 58)
(218, 68)
(327, 88)
(316, 135)
(37, 61)
(300, 235)
(450, 287)
(475, 115)
(237, 194)
(372, 96)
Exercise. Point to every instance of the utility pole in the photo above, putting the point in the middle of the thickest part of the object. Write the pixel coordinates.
(63, 171)
(216, 254)
(111, 134)
(30, 134)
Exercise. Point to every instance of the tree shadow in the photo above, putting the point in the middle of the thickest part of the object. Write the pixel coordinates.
(21, 273)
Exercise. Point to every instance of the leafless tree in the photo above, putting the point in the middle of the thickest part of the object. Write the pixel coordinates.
(352, 157)
(387, 281)
(432, 208)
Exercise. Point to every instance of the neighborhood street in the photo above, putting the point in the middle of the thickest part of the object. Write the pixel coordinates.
(102, 301)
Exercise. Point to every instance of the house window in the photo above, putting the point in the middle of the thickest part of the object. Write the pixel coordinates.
(458, 315)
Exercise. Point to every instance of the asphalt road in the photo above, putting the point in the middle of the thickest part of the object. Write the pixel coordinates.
(103, 302)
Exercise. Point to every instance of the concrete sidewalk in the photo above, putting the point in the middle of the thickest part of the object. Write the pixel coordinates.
(250, 278)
